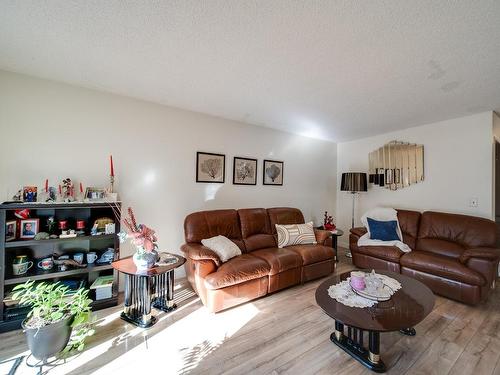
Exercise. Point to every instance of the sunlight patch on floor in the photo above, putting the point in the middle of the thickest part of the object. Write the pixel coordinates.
(185, 343)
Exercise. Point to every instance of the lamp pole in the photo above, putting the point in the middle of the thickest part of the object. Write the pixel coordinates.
(353, 203)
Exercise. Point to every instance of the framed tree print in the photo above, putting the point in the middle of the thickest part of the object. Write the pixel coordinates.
(273, 172)
(244, 171)
(210, 167)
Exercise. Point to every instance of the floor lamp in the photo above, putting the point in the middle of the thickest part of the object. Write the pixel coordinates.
(353, 182)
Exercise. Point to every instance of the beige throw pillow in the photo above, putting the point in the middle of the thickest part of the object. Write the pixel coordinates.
(295, 234)
(223, 247)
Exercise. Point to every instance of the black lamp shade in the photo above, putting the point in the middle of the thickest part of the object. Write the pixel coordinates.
(354, 181)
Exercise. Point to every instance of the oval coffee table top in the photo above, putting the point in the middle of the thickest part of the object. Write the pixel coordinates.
(126, 265)
(407, 307)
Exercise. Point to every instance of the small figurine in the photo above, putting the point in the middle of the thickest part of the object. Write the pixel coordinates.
(51, 195)
(68, 233)
(67, 192)
(107, 257)
(42, 236)
(109, 228)
(17, 197)
(100, 225)
(48, 194)
(22, 214)
(328, 222)
(93, 231)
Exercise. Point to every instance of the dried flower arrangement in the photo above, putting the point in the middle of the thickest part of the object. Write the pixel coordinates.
(143, 238)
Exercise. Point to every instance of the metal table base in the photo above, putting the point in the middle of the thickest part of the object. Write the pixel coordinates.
(145, 292)
(353, 344)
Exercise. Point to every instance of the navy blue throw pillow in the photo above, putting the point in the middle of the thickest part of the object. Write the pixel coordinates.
(383, 230)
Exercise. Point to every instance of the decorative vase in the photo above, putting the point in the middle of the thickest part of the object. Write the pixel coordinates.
(145, 260)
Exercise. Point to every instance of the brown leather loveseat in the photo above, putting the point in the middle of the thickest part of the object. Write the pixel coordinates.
(454, 255)
(262, 268)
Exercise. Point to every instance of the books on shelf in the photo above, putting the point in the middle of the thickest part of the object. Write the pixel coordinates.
(103, 287)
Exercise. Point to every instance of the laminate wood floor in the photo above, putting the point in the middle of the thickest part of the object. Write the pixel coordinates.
(284, 333)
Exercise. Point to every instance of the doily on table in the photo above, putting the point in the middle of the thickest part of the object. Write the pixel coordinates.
(343, 293)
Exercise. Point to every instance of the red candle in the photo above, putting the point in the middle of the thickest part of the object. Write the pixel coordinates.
(111, 163)
(81, 188)
(46, 185)
(60, 190)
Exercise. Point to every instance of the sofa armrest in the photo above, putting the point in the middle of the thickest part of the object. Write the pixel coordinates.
(196, 251)
(358, 231)
(322, 236)
(486, 253)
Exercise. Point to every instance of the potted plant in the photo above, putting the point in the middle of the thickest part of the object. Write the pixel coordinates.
(55, 312)
(144, 240)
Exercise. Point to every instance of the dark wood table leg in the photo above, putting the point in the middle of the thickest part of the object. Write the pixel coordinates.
(137, 307)
(353, 344)
(164, 292)
(335, 248)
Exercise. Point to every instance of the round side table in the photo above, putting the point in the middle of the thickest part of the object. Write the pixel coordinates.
(407, 307)
(335, 234)
(146, 289)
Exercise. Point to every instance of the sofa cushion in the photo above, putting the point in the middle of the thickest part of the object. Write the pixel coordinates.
(295, 234)
(440, 247)
(279, 259)
(237, 270)
(222, 246)
(256, 229)
(284, 216)
(383, 230)
(312, 253)
(409, 222)
(206, 224)
(441, 266)
(468, 231)
(390, 253)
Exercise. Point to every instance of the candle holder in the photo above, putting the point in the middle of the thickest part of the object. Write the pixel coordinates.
(111, 183)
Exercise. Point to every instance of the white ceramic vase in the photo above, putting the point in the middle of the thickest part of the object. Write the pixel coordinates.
(144, 260)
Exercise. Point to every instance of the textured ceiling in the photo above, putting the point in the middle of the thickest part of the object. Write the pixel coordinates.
(337, 70)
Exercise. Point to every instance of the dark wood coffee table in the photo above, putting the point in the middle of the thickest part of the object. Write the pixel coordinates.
(407, 307)
(145, 289)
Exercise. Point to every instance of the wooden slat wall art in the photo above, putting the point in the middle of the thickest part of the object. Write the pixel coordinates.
(396, 165)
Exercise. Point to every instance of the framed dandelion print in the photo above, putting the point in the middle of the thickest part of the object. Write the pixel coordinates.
(244, 171)
(210, 167)
(273, 172)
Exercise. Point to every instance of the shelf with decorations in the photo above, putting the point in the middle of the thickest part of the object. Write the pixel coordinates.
(76, 261)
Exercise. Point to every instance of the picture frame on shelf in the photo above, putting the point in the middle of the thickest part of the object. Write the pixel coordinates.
(10, 230)
(30, 194)
(93, 194)
(244, 171)
(273, 172)
(28, 228)
(210, 167)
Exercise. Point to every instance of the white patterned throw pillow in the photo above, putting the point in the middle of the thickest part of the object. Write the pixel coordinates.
(295, 234)
(223, 247)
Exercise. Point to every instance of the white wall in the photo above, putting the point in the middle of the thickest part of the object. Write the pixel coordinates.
(52, 130)
(457, 166)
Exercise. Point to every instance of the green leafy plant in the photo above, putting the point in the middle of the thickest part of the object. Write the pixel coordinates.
(53, 302)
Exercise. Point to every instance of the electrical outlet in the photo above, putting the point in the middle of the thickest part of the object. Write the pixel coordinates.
(473, 202)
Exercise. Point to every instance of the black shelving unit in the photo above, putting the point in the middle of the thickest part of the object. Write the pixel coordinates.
(11, 317)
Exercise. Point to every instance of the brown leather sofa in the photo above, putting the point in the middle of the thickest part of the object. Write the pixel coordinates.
(454, 255)
(262, 268)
